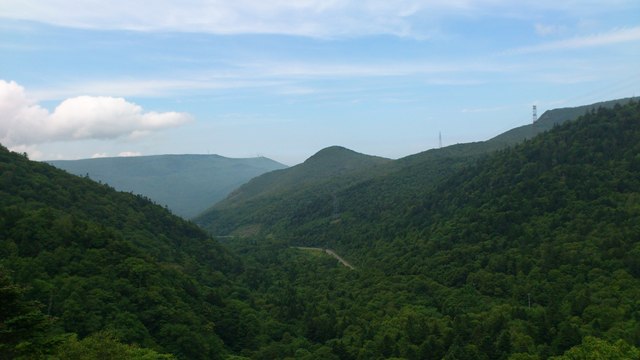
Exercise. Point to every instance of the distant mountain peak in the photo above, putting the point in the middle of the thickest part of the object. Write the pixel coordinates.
(335, 149)
(187, 183)
(339, 156)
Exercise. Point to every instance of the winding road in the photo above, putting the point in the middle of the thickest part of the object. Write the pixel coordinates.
(330, 252)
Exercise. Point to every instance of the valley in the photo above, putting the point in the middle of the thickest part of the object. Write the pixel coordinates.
(524, 246)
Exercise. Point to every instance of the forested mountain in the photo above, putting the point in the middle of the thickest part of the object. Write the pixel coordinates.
(288, 198)
(186, 184)
(525, 253)
(100, 260)
(283, 190)
(528, 252)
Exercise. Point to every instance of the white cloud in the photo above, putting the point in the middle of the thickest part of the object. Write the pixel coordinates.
(99, 155)
(283, 77)
(23, 122)
(301, 17)
(612, 37)
(318, 18)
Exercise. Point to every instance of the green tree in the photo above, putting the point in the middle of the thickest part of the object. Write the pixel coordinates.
(25, 332)
(597, 349)
(103, 345)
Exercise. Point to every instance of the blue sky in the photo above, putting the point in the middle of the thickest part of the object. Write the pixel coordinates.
(284, 79)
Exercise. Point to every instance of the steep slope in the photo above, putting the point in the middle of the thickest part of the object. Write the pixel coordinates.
(318, 177)
(584, 173)
(522, 254)
(545, 234)
(186, 184)
(303, 205)
(104, 260)
(384, 207)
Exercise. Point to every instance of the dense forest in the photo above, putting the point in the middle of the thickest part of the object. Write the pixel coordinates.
(322, 184)
(528, 252)
(79, 260)
(523, 253)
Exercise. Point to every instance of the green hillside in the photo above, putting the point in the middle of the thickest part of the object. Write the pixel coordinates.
(526, 253)
(100, 260)
(542, 238)
(186, 184)
(280, 192)
(284, 200)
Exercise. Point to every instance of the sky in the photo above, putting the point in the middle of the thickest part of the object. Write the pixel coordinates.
(284, 79)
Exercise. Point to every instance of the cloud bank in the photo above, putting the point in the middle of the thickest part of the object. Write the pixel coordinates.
(24, 123)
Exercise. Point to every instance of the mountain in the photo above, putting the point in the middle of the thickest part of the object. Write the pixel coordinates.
(303, 195)
(102, 260)
(542, 235)
(324, 172)
(327, 164)
(528, 252)
(186, 184)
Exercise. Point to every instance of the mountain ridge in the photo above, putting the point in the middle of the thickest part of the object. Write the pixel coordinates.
(527, 252)
(418, 173)
(328, 169)
(186, 183)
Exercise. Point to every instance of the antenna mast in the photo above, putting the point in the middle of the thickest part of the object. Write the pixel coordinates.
(535, 114)
(440, 139)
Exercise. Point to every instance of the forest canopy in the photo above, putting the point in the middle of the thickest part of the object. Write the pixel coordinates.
(529, 252)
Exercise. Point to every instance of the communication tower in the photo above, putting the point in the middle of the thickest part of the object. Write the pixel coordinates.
(535, 114)
(440, 139)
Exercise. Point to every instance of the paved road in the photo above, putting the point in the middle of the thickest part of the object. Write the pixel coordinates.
(330, 252)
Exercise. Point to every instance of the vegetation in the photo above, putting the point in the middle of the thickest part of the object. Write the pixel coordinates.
(529, 252)
(289, 191)
(322, 186)
(102, 260)
(521, 254)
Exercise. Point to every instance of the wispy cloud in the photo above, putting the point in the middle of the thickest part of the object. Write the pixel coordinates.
(306, 18)
(612, 37)
(316, 18)
(279, 77)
